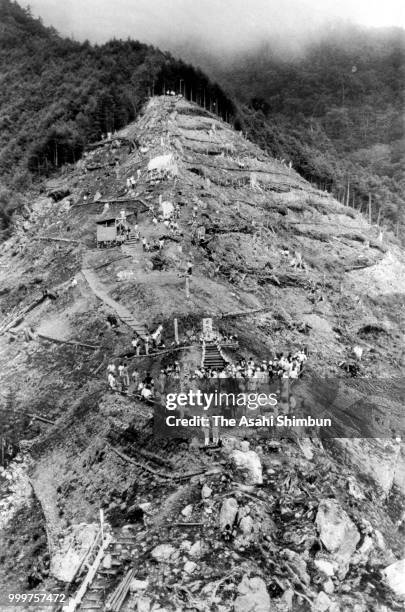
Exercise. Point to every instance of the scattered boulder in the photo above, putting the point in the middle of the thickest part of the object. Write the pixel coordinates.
(163, 552)
(378, 458)
(190, 567)
(143, 604)
(138, 585)
(325, 566)
(298, 565)
(246, 525)
(196, 549)
(362, 554)
(380, 554)
(358, 352)
(253, 596)
(337, 532)
(206, 492)
(328, 586)
(187, 511)
(354, 489)
(227, 514)
(249, 463)
(394, 577)
(322, 603)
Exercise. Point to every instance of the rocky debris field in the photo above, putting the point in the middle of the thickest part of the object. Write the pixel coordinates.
(283, 525)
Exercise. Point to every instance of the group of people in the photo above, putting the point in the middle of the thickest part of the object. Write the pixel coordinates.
(281, 366)
(150, 343)
(118, 376)
(156, 244)
(120, 380)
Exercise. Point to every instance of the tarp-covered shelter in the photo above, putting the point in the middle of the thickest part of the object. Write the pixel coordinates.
(163, 164)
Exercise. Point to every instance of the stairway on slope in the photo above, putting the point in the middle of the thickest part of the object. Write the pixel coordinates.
(123, 313)
(137, 327)
(212, 357)
(106, 578)
(130, 246)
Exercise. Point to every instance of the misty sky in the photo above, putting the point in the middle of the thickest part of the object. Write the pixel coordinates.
(219, 25)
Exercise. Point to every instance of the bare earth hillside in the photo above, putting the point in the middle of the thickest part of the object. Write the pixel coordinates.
(275, 263)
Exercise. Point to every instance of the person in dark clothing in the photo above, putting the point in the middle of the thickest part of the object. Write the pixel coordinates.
(148, 380)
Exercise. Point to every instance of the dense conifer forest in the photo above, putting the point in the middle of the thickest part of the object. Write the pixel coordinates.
(335, 111)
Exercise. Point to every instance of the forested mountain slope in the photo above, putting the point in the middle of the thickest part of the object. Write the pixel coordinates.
(57, 94)
(336, 111)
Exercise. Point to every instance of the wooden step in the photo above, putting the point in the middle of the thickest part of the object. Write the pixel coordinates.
(98, 588)
(107, 572)
(94, 595)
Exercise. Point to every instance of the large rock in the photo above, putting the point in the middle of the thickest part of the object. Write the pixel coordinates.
(197, 549)
(394, 576)
(163, 553)
(227, 514)
(322, 603)
(324, 566)
(298, 564)
(249, 463)
(337, 532)
(253, 596)
(381, 459)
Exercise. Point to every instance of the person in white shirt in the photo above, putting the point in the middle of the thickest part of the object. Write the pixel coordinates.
(111, 369)
(146, 393)
(112, 382)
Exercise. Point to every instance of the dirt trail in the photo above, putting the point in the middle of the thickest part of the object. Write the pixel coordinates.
(123, 313)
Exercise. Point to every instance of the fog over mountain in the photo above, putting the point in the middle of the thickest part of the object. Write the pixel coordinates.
(223, 27)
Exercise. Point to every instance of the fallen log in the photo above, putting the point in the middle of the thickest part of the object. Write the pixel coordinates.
(118, 596)
(15, 318)
(153, 457)
(186, 524)
(99, 166)
(51, 238)
(155, 472)
(242, 313)
(111, 262)
(72, 342)
(37, 417)
(154, 354)
(125, 457)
